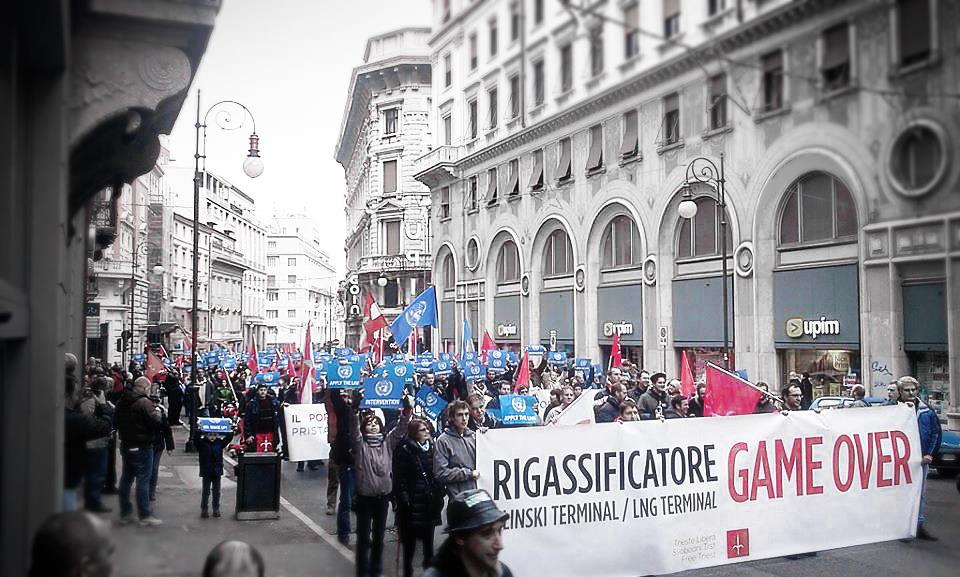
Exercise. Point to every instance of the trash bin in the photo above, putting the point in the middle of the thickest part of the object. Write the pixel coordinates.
(258, 486)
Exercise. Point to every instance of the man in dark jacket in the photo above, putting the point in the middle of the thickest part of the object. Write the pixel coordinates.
(261, 421)
(341, 453)
(138, 420)
(78, 429)
(610, 409)
(653, 402)
(172, 388)
(475, 529)
(479, 418)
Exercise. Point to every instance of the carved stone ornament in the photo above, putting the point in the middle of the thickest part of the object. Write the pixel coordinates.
(650, 270)
(580, 279)
(743, 259)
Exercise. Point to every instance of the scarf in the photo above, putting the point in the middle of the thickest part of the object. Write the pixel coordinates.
(374, 440)
(424, 446)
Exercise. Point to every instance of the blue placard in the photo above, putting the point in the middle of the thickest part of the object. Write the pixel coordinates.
(497, 366)
(138, 357)
(228, 364)
(513, 358)
(470, 357)
(401, 373)
(558, 358)
(582, 364)
(186, 369)
(445, 357)
(342, 351)
(270, 377)
(297, 356)
(497, 355)
(201, 364)
(517, 410)
(343, 375)
(431, 402)
(474, 372)
(441, 368)
(381, 393)
(215, 425)
(536, 349)
(424, 364)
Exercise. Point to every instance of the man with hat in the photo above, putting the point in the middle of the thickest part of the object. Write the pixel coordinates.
(475, 529)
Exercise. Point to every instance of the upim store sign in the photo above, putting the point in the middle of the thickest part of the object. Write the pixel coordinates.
(797, 327)
(714, 491)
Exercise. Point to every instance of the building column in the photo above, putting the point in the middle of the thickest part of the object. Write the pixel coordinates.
(953, 341)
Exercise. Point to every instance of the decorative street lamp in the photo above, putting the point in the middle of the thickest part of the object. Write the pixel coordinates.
(252, 167)
(702, 176)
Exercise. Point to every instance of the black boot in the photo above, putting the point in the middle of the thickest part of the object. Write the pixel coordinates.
(925, 535)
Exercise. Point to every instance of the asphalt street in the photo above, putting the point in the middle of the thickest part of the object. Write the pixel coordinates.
(302, 543)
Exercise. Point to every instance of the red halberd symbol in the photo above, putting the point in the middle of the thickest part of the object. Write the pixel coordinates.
(738, 543)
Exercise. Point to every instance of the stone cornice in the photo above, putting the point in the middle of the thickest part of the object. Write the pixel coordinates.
(761, 27)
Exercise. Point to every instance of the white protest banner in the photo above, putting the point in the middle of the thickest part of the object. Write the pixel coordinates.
(306, 432)
(657, 497)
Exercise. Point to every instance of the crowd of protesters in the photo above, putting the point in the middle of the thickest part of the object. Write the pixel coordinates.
(377, 459)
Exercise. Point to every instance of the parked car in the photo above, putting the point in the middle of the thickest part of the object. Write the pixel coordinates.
(947, 461)
(831, 402)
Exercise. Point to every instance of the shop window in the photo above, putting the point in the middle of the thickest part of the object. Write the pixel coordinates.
(508, 263)
(621, 245)
(700, 236)
(818, 208)
(557, 255)
(914, 31)
(835, 65)
(595, 156)
(718, 102)
(822, 372)
(536, 175)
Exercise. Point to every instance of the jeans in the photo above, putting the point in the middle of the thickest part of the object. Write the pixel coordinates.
(93, 479)
(923, 495)
(408, 540)
(137, 465)
(346, 496)
(333, 482)
(155, 473)
(69, 500)
(210, 483)
(371, 515)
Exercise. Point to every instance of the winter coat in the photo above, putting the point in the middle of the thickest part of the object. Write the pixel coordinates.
(78, 429)
(210, 453)
(455, 460)
(651, 400)
(163, 440)
(251, 417)
(137, 419)
(373, 464)
(609, 410)
(696, 407)
(89, 406)
(447, 563)
(930, 431)
(419, 497)
(341, 449)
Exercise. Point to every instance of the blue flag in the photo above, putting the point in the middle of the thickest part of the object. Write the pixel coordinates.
(215, 425)
(517, 410)
(381, 393)
(431, 402)
(420, 313)
(466, 345)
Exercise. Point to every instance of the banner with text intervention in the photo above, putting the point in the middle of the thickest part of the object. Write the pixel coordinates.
(701, 492)
(306, 432)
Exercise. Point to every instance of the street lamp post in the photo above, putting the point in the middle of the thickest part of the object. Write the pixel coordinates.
(703, 171)
(139, 248)
(252, 167)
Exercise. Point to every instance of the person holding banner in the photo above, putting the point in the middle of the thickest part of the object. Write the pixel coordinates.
(475, 529)
(373, 466)
(419, 498)
(210, 447)
(480, 420)
(455, 466)
(931, 435)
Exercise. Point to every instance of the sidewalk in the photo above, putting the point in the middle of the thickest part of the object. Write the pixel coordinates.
(179, 547)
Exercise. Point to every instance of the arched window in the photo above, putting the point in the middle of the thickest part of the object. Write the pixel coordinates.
(621, 244)
(700, 236)
(557, 255)
(818, 208)
(449, 273)
(508, 263)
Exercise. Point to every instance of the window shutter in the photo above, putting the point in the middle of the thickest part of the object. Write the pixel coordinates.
(492, 186)
(563, 168)
(836, 42)
(513, 187)
(630, 137)
(595, 158)
(536, 176)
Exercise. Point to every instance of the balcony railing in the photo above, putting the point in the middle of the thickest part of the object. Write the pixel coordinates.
(436, 166)
(394, 262)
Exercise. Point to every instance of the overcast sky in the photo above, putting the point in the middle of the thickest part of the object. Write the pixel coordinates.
(289, 62)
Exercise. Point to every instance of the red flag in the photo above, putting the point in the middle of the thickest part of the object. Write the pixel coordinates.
(616, 360)
(523, 373)
(412, 351)
(252, 363)
(179, 362)
(306, 371)
(486, 345)
(163, 351)
(687, 386)
(374, 317)
(728, 394)
(154, 366)
(291, 370)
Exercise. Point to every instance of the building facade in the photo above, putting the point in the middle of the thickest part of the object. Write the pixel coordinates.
(559, 183)
(181, 280)
(386, 126)
(300, 284)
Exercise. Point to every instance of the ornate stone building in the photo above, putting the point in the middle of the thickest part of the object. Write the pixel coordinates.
(563, 161)
(85, 90)
(386, 127)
